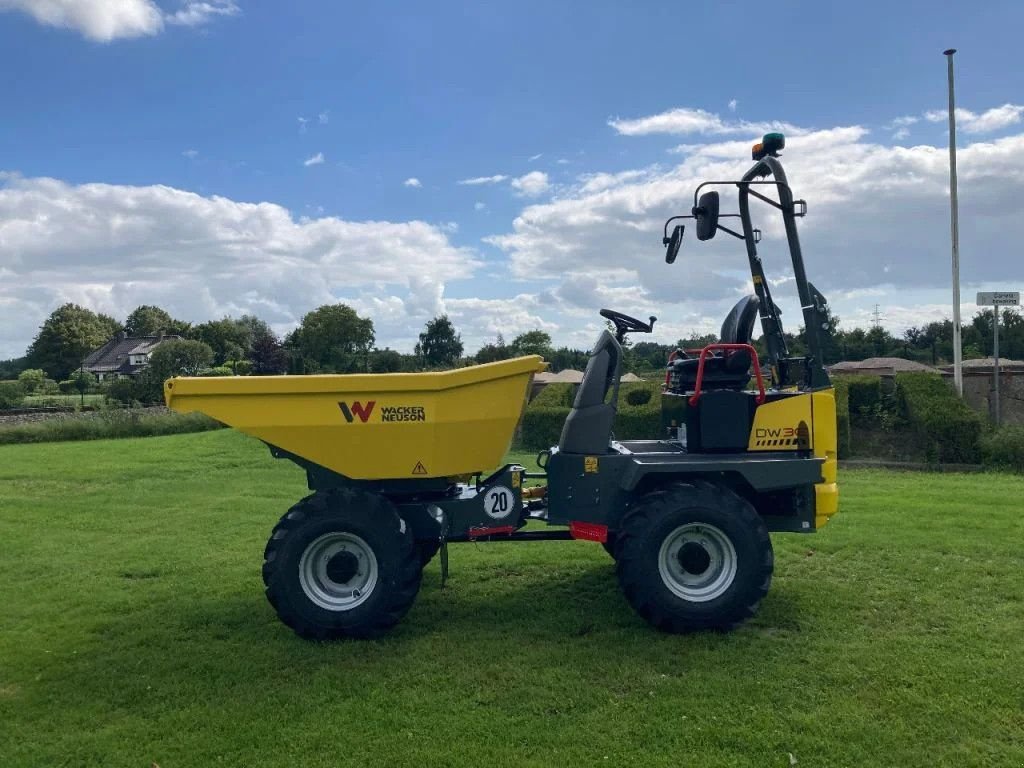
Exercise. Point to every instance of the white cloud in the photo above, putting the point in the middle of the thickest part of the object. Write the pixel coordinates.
(733, 104)
(106, 20)
(113, 247)
(601, 240)
(323, 118)
(533, 158)
(303, 124)
(191, 154)
(477, 180)
(316, 159)
(478, 206)
(990, 120)
(903, 122)
(685, 120)
(562, 161)
(532, 184)
(412, 181)
(194, 14)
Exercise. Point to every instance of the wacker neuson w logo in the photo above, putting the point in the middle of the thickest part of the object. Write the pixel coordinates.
(357, 409)
(363, 411)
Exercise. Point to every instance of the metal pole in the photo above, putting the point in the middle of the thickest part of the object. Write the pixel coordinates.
(958, 374)
(995, 356)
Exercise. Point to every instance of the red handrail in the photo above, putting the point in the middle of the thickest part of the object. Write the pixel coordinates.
(700, 369)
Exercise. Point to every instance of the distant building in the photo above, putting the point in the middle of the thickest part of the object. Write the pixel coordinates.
(880, 366)
(985, 365)
(123, 356)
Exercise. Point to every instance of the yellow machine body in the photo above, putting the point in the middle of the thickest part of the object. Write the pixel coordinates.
(374, 426)
(778, 426)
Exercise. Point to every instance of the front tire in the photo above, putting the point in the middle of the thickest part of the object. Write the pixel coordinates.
(693, 557)
(341, 564)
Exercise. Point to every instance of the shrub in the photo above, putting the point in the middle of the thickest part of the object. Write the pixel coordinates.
(12, 394)
(49, 387)
(555, 396)
(639, 416)
(1004, 448)
(945, 427)
(108, 424)
(541, 426)
(220, 370)
(638, 396)
(122, 391)
(31, 380)
(842, 390)
(865, 396)
(240, 367)
(67, 387)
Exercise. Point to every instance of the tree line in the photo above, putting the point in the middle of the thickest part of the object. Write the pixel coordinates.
(334, 338)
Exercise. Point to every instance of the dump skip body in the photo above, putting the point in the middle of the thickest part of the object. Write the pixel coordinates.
(374, 426)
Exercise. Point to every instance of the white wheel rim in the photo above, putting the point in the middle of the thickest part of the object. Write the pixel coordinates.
(697, 562)
(338, 571)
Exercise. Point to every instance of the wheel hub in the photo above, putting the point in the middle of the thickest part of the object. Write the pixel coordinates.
(697, 562)
(342, 566)
(693, 558)
(338, 571)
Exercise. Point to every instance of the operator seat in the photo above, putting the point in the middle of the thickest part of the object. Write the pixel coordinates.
(588, 427)
(727, 369)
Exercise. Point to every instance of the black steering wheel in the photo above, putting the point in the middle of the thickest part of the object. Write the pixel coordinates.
(625, 324)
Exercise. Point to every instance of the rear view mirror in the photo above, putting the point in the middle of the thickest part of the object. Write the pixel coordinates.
(673, 244)
(706, 214)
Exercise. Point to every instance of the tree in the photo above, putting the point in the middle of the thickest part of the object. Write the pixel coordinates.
(386, 361)
(31, 379)
(9, 369)
(148, 320)
(439, 345)
(268, 357)
(184, 357)
(490, 353)
(332, 338)
(230, 339)
(534, 342)
(69, 334)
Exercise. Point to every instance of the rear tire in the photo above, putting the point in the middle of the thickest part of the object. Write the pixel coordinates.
(693, 557)
(341, 564)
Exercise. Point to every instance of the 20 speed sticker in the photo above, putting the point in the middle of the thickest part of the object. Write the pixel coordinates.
(499, 502)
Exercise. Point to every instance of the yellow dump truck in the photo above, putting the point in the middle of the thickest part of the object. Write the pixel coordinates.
(401, 465)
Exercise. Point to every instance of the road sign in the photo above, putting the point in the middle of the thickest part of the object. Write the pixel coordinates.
(998, 298)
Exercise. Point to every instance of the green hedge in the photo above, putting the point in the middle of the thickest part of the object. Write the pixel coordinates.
(542, 423)
(842, 389)
(1004, 448)
(110, 424)
(865, 398)
(555, 396)
(12, 394)
(946, 429)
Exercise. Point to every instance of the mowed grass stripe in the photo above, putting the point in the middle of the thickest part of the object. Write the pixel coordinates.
(135, 630)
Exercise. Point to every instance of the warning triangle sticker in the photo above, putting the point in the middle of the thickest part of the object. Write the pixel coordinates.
(419, 469)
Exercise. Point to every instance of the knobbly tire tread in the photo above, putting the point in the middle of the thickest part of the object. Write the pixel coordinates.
(373, 518)
(637, 568)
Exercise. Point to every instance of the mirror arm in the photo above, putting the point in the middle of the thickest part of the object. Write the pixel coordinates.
(664, 231)
(737, 235)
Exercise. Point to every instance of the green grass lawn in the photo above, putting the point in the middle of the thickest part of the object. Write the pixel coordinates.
(134, 630)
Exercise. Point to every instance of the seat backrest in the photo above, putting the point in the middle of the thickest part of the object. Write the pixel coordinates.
(738, 327)
(588, 426)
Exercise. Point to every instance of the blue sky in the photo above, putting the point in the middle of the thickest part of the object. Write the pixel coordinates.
(136, 135)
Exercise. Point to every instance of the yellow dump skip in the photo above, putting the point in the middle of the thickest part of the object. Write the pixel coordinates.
(374, 426)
